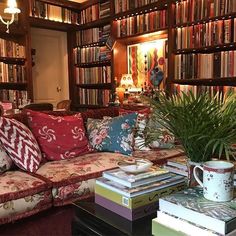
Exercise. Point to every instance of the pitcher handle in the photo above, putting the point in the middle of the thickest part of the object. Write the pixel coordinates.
(196, 176)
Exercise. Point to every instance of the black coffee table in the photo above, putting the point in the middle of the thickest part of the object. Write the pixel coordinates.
(93, 219)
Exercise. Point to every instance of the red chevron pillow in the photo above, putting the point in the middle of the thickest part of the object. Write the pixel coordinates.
(20, 144)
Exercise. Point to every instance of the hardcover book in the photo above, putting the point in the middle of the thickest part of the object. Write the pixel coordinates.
(179, 162)
(140, 200)
(133, 180)
(192, 206)
(126, 212)
(136, 191)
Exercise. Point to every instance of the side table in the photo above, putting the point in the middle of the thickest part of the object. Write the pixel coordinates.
(93, 219)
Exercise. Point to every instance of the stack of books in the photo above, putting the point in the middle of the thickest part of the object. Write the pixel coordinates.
(133, 196)
(178, 165)
(188, 213)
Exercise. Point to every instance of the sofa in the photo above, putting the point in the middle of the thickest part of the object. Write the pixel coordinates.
(61, 182)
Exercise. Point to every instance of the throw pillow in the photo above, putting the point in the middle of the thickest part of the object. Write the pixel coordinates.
(165, 140)
(59, 137)
(20, 144)
(5, 161)
(142, 119)
(112, 134)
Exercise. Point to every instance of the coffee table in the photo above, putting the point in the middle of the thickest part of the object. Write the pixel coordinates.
(93, 219)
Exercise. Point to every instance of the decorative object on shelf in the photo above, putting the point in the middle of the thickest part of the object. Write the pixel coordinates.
(126, 81)
(135, 166)
(11, 9)
(218, 180)
(204, 125)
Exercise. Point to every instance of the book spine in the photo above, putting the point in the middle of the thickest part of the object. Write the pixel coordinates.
(137, 201)
(126, 212)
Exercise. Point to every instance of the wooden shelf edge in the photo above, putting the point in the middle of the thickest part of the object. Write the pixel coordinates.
(13, 85)
(95, 86)
(205, 20)
(156, 6)
(94, 64)
(97, 23)
(95, 44)
(13, 60)
(208, 82)
(223, 47)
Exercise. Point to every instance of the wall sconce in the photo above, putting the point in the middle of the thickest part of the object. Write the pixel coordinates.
(11, 9)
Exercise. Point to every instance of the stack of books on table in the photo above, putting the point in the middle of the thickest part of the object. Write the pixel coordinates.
(188, 213)
(135, 195)
(178, 165)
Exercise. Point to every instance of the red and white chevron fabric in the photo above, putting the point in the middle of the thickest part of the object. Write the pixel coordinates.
(20, 144)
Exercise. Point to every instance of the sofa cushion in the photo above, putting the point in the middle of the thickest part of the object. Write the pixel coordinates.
(5, 161)
(22, 195)
(60, 137)
(112, 134)
(20, 144)
(73, 179)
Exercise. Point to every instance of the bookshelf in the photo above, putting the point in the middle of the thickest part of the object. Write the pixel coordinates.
(201, 46)
(204, 51)
(92, 58)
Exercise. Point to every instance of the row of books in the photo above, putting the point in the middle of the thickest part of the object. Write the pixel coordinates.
(95, 12)
(125, 5)
(188, 213)
(94, 96)
(212, 90)
(93, 35)
(194, 10)
(11, 49)
(18, 97)
(206, 34)
(141, 23)
(93, 75)
(91, 54)
(12, 73)
(133, 196)
(204, 66)
(52, 12)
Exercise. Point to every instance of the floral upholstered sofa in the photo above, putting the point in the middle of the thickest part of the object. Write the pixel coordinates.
(59, 182)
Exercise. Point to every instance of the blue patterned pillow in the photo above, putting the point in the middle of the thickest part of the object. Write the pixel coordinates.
(112, 134)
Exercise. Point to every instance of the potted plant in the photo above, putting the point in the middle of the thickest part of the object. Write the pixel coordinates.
(204, 125)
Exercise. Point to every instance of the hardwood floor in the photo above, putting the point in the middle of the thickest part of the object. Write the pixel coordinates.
(55, 221)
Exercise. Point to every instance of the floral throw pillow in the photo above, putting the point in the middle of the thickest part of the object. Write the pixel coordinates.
(59, 137)
(5, 161)
(139, 136)
(112, 134)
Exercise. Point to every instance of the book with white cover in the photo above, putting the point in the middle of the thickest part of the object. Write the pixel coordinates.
(153, 174)
(136, 191)
(190, 205)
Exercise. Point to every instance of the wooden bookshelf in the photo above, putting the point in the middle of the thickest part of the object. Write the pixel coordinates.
(96, 86)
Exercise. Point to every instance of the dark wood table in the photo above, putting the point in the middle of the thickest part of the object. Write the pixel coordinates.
(93, 219)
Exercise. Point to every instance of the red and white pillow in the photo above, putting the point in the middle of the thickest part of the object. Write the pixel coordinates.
(59, 137)
(20, 144)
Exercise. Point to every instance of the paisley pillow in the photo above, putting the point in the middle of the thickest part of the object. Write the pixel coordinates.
(112, 134)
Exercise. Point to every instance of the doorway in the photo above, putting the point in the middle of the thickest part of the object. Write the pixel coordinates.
(50, 72)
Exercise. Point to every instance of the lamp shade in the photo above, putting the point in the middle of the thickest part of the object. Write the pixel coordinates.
(126, 81)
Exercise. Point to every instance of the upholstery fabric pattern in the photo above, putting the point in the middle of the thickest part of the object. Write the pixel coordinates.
(72, 192)
(112, 134)
(85, 167)
(5, 161)
(60, 137)
(20, 144)
(26, 206)
(18, 184)
(142, 119)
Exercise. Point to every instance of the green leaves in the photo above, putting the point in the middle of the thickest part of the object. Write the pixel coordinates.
(205, 125)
